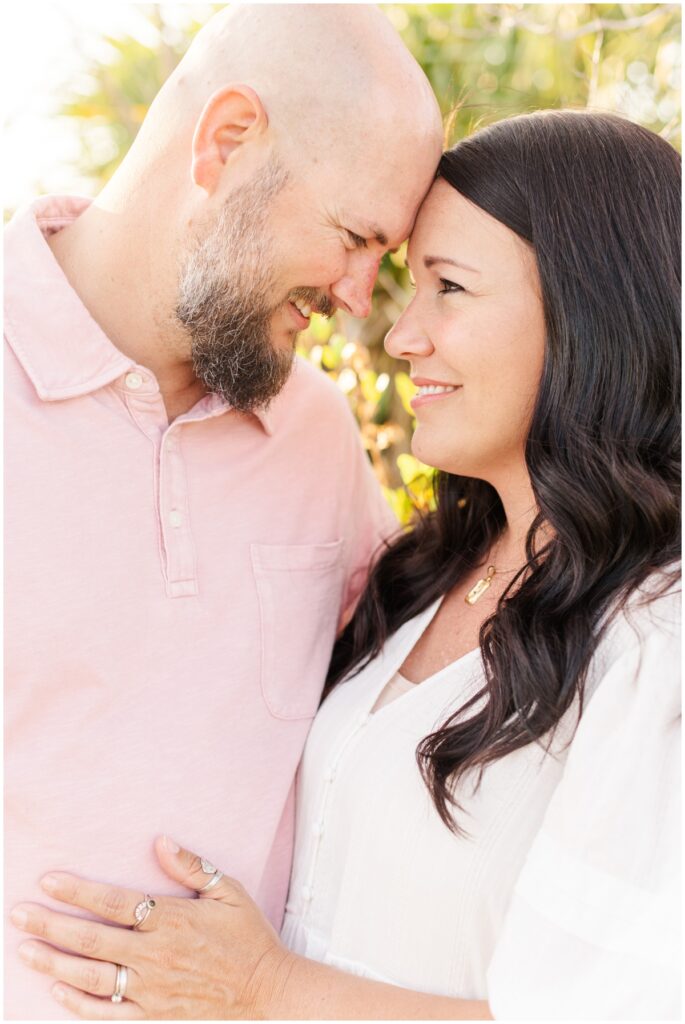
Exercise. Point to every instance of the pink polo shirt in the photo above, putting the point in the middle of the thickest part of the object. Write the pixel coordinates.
(172, 596)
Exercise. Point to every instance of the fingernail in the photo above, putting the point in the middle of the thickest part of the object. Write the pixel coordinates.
(19, 917)
(60, 994)
(27, 952)
(171, 846)
(49, 883)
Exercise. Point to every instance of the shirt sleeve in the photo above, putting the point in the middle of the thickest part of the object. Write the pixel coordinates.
(592, 930)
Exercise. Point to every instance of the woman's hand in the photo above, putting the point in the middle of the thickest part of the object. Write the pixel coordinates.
(213, 958)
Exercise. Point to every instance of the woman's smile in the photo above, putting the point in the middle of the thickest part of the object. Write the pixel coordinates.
(431, 391)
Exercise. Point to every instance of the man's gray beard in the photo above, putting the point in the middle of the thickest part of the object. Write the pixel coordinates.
(224, 304)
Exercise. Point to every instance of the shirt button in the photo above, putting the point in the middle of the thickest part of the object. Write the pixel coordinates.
(329, 774)
(175, 518)
(317, 828)
(307, 893)
(363, 719)
(133, 381)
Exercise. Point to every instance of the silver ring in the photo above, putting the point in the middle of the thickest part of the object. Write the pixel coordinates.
(120, 983)
(216, 877)
(142, 911)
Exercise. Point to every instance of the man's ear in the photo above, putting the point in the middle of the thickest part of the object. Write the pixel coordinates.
(231, 116)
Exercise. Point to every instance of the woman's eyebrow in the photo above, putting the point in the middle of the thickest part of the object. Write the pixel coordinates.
(429, 261)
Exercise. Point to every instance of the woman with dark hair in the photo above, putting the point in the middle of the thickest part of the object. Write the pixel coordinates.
(488, 801)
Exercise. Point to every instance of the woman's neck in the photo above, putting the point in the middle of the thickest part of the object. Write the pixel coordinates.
(520, 509)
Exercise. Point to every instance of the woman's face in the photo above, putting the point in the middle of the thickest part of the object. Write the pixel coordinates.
(474, 327)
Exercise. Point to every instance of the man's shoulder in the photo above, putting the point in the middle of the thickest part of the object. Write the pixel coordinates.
(311, 391)
(307, 377)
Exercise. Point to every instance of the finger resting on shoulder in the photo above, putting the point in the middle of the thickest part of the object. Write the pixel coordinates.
(111, 902)
(89, 1007)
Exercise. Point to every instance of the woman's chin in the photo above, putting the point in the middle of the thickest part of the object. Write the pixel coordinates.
(432, 454)
(418, 448)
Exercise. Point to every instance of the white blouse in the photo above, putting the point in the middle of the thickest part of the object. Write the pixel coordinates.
(562, 902)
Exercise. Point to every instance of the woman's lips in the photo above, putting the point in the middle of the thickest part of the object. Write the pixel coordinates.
(428, 397)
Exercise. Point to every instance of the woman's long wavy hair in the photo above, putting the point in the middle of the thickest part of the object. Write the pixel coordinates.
(598, 199)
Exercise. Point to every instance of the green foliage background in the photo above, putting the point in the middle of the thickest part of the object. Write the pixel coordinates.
(485, 61)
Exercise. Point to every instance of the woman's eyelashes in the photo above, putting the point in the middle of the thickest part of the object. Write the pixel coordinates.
(449, 287)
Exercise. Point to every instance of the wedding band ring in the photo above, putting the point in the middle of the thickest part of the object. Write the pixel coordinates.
(216, 877)
(120, 983)
(142, 911)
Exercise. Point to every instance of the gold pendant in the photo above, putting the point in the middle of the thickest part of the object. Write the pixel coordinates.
(477, 591)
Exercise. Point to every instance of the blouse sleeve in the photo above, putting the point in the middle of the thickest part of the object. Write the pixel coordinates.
(592, 930)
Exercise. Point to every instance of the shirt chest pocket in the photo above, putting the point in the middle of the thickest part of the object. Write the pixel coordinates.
(300, 590)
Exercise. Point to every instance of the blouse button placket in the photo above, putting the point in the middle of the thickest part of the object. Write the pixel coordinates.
(318, 828)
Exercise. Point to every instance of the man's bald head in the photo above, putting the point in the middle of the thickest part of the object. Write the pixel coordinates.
(329, 73)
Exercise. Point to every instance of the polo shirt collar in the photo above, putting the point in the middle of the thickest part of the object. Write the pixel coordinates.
(63, 350)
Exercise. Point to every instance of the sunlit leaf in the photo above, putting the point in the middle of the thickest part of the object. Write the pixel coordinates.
(368, 386)
(410, 468)
(329, 357)
(320, 328)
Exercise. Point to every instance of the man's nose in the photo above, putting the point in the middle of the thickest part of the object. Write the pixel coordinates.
(354, 290)
(407, 338)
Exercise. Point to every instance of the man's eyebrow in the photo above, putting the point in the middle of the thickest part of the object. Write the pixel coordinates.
(429, 261)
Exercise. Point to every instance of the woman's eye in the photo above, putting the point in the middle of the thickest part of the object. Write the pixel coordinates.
(449, 286)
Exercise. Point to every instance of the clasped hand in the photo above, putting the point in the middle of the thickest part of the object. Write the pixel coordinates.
(213, 958)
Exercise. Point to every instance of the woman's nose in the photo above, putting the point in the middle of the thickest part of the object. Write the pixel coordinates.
(406, 338)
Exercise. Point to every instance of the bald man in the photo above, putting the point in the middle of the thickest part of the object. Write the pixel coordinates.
(189, 515)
